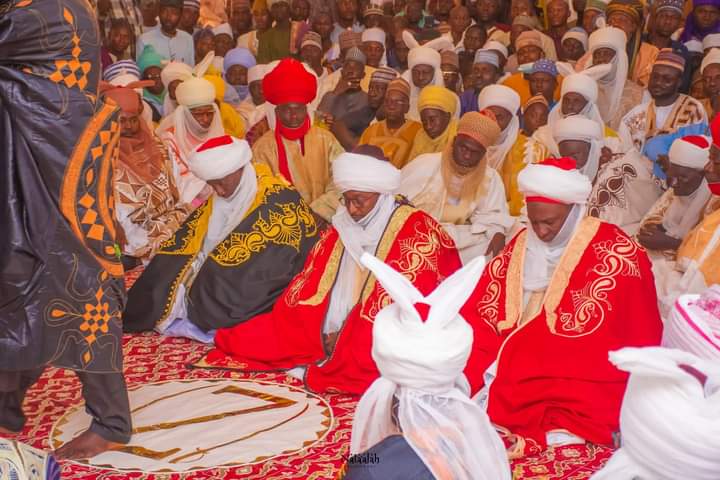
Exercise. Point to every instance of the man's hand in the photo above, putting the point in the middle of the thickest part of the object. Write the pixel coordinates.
(653, 237)
(496, 245)
(329, 341)
(605, 156)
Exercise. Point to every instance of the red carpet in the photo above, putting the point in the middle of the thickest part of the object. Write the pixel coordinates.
(151, 358)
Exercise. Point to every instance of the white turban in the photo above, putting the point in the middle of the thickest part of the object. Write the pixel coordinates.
(223, 28)
(711, 41)
(507, 98)
(611, 84)
(586, 130)
(579, 35)
(695, 46)
(195, 92)
(712, 57)
(363, 173)
(497, 46)
(374, 35)
(692, 151)
(175, 71)
(499, 96)
(256, 73)
(694, 324)
(669, 423)
(421, 363)
(565, 185)
(423, 56)
(219, 157)
(582, 84)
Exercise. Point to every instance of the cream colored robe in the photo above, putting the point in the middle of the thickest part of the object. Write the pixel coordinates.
(312, 172)
(471, 224)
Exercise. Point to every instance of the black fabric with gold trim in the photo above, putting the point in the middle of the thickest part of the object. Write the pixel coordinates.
(242, 276)
(61, 289)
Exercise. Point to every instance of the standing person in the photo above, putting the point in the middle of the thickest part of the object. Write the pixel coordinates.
(347, 11)
(168, 41)
(274, 43)
(190, 15)
(61, 278)
(110, 11)
(666, 20)
(119, 39)
(262, 21)
(240, 17)
(558, 13)
(459, 22)
(703, 20)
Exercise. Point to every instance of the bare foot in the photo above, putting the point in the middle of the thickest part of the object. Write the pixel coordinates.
(86, 445)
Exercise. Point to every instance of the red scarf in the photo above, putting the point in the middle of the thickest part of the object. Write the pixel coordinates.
(281, 131)
(714, 188)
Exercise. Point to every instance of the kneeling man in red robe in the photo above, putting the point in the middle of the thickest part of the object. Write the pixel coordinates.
(546, 312)
(321, 326)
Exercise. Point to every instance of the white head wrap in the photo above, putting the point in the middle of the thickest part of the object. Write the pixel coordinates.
(669, 422)
(695, 46)
(195, 92)
(578, 35)
(611, 84)
(353, 171)
(374, 35)
(219, 157)
(687, 154)
(711, 41)
(564, 186)
(256, 73)
(421, 364)
(694, 324)
(507, 98)
(583, 129)
(497, 46)
(428, 54)
(215, 159)
(585, 86)
(175, 71)
(712, 57)
(223, 28)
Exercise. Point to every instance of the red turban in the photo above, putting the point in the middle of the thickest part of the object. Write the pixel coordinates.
(289, 82)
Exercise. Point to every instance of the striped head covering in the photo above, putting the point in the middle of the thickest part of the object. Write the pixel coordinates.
(311, 38)
(596, 5)
(383, 75)
(399, 85)
(122, 67)
(631, 8)
(192, 4)
(487, 56)
(355, 55)
(349, 39)
(373, 9)
(537, 98)
(529, 38)
(671, 59)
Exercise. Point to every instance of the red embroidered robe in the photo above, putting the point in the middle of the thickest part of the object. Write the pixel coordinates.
(553, 371)
(291, 334)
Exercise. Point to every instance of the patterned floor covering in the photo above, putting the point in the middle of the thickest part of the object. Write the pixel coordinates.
(151, 358)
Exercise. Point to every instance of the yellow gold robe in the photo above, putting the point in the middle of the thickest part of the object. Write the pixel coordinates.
(395, 144)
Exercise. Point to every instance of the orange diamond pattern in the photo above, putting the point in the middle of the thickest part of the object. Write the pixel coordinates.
(95, 318)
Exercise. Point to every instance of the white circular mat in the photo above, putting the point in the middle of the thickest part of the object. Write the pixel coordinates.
(184, 425)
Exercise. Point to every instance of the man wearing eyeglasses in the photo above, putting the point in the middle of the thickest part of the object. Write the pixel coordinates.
(321, 326)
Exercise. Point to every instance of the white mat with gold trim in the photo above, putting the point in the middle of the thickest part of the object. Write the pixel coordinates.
(185, 425)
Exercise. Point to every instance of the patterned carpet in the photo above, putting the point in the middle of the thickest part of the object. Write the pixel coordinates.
(151, 358)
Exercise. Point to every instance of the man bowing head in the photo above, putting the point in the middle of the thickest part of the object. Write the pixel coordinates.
(322, 325)
(548, 309)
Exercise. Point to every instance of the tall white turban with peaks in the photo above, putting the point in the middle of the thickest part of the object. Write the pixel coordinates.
(582, 85)
(428, 54)
(507, 98)
(585, 130)
(354, 171)
(611, 84)
(421, 362)
(669, 422)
